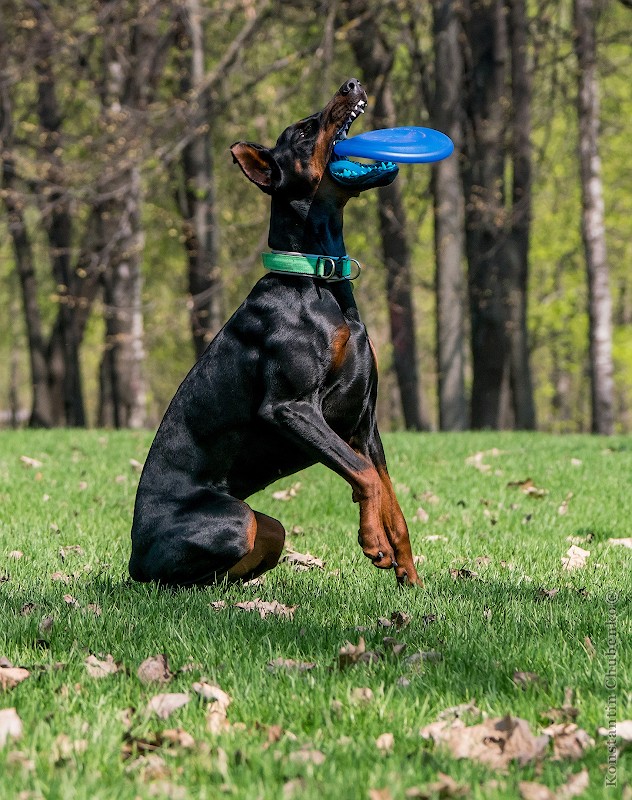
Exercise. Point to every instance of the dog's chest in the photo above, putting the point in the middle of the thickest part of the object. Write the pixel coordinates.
(349, 387)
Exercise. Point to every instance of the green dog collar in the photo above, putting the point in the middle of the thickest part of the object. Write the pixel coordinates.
(329, 268)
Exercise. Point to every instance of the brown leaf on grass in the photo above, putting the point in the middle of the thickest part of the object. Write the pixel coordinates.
(421, 515)
(289, 663)
(166, 790)
(155, 669)
(380, 794)
(93, 608)
(443, 788)
(431, 656)
(46, 624)
(307, 755)
(263, 608)
(528, 487)
(569, 741)
(627, 542)
(287, 494)
(385, 742)
(477, 459)
(31, 462)
(575, 786)
(218, 605)
(301, 562)
(622, 730)
(65, 749)
(294, 788)
(546, 594)
(362, 694)
(27, 608)
(567, 712)
(69, 549)
(462, 573)
(525, 679)
(151, 767)
(10, 725)
(575, 558)
(495, 742)
(400, 619)
(60, 576)
(71, 601)
(563, 508)
(16, 555)
(351, 654)
(135, 465)
(218, 700)
(179, 738)
(163, 705)
(10, 676)
(100, 668)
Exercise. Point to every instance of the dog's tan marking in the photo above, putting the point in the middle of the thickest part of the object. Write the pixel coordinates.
(339, 346)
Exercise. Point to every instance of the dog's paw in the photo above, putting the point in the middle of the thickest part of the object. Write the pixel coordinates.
(409, 579)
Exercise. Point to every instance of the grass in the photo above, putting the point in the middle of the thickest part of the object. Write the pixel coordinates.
(485, 627)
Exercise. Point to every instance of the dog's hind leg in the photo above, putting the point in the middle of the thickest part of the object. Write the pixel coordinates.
(266, 551)
(201, 539)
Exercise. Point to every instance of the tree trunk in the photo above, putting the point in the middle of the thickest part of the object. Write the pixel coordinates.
(485, 212)
(63, 353)
(197, 197)
(593, 227)
(375, 59)
(519, 234)
(448, 219)
(123, 394)
(41, 413)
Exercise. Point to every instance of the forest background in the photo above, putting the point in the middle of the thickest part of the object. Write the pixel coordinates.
(497, 286)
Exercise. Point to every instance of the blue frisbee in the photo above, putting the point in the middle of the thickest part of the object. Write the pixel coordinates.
(402, 145)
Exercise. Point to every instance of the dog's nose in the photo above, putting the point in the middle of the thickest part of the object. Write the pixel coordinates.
(352, 85)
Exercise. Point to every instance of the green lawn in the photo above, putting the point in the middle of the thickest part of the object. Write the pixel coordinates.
(309, 734)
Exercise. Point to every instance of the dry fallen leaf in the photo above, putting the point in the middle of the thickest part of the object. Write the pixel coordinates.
(31, 462)
(100, 668)
(307, 756)
(443, 788)
(10, 676)
(380, 794)
(287, 494)
(64, 748)
(179, 738)
(289, 663)
(218, 700)
(622, 730)
(575, 558)
(302, 561)
(155, 669)
(264, 608)
(135, 465)
(563, 509)
(574, 787)
(525, 679)
(64, 552)
(463, 573)
(569, 741)
(528, 487)
(476, 460)
(150, 767)
(351, 654)
(400, 619)
(46, 625)
(495, 742)
(163, 705)
(362, 694)
(16, 555)
(627, 542)
(385, 742)
(421, 515)
(10, 725)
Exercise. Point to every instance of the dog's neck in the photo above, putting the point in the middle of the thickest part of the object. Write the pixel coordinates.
(307, 226)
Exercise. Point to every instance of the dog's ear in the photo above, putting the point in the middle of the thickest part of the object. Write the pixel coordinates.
(258, 165)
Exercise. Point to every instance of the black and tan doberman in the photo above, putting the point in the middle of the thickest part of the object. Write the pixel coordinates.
(289, 381)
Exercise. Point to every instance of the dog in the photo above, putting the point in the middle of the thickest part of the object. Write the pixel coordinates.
(291, 380)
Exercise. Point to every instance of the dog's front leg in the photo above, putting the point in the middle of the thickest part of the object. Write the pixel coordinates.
(393, 520)
(302, 422)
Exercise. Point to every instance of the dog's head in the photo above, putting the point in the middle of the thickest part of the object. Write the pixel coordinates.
(304, 153)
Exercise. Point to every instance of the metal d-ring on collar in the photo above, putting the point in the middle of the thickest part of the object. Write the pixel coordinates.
(327, 268)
